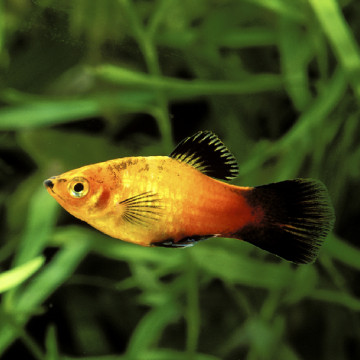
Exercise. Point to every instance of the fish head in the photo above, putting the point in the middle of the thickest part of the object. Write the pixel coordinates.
(80, 193)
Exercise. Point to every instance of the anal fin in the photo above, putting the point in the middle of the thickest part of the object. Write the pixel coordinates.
(185, 242)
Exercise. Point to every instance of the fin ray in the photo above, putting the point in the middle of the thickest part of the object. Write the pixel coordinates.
(206, 153)
(142, 209)
(297, 217)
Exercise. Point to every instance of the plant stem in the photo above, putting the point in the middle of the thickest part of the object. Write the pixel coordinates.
(148, 49)
(192, 311)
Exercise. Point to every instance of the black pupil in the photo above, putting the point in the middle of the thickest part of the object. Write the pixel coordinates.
(78, 187)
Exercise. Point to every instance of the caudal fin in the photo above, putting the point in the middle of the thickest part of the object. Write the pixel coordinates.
(297, 217)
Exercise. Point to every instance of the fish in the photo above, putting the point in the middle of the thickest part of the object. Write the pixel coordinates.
(178, 200)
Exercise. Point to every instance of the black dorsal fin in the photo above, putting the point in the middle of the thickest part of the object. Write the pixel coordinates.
(206, 153)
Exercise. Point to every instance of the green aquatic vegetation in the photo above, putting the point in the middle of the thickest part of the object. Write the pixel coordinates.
(87, 81)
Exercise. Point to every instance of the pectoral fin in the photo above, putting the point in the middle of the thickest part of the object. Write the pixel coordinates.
(142, 209)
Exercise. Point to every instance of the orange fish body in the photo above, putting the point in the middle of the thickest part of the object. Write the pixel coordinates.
(172, 201)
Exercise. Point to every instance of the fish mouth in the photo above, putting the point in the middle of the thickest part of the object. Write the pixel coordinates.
(49, 184)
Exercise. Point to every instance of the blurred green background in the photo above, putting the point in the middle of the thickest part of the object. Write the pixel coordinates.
(85, 81)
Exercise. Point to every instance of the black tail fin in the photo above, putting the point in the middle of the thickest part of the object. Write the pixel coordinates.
(297, 217)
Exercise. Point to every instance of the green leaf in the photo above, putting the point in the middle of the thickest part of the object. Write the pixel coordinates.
(265, 336)
(52, 351)
(318, 111)
(52, 276)
(117, 249)
(166, 354)
(287, 9)
(149, 330)
(255, 36)
(177, 88)
(236, 268)
(343, 251)
(341, 37)
(305, 281)
(338, 298)
(47, 112)
(38, 226)
(26, 301)
(152, 354)
(295, 56)
(14, 277)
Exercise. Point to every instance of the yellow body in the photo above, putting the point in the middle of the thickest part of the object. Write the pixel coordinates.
(178, 202)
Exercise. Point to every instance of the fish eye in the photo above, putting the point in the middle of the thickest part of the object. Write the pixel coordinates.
(78, 187)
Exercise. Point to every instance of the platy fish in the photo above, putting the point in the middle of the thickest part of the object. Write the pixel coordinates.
(175, 201)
